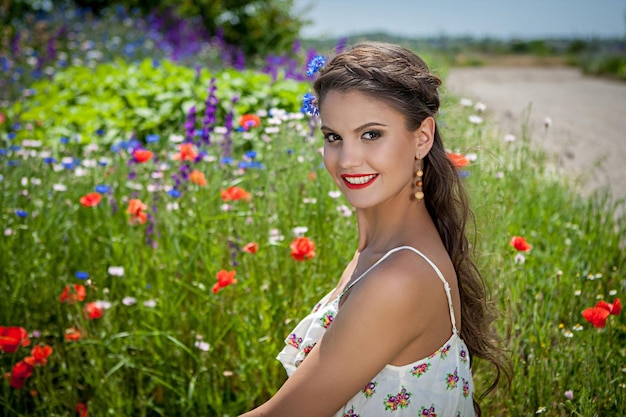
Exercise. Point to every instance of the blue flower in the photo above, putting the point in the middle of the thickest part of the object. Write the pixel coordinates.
(102, 189)
(152, 137)
(464, 174)
(251, 154)
(49, 160)
(174, 193)
(11, 135)
(309, 105)
(82, 275)
(226, 160)
(3, 151)
(100, 132)
(102, 162)
(15, 148)
(64, 140)
(13, 163)
(315, 64)
(71, 165)
(21, 213)
(252, 164)
(116, 147)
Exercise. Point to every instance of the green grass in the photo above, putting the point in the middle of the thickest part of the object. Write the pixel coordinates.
(142, 360)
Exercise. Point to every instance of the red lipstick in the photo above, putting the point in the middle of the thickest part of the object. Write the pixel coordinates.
(357, 182)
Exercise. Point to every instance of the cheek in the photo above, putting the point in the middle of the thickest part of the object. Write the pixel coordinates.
(330, 159)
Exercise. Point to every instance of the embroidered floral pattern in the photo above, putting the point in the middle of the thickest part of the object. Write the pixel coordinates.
(369, 389)
(351, 413)
(444, 351)
(428, 412)
(327, 319)
(400, 400)
(452, 380)
(294, 340)
(463, 355)
(466, 388)
(420, 369)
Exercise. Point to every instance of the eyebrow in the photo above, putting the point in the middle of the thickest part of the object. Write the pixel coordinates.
(366, 125)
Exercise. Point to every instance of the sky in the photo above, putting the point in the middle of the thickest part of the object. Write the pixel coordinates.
(478, 18)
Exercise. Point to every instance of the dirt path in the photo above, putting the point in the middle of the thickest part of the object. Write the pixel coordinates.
(588, 131)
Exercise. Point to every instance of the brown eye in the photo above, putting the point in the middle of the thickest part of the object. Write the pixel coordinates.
(373, 135)
(331, 137)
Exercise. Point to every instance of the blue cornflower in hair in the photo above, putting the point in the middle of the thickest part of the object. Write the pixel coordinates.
(309, 105)
(315, 64)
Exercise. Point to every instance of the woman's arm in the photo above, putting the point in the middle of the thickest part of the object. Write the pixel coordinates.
(378, 319)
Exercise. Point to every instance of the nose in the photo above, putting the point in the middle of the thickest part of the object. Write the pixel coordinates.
(351, 155)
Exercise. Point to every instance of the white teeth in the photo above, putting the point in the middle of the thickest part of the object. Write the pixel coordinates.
(359, 180)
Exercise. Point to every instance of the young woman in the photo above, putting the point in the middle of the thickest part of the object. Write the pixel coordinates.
(397, 333)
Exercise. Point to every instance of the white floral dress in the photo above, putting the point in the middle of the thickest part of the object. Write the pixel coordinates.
(438, 385)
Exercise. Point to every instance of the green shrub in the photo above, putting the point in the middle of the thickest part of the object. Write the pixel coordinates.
(120, 99)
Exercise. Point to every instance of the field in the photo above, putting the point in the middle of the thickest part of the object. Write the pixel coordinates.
(164, 227)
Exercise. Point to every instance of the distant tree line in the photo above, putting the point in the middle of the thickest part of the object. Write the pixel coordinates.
(257, 27)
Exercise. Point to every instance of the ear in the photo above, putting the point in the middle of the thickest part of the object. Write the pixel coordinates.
(424, 137)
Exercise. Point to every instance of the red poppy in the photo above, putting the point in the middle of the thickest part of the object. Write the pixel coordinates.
(458, 159)
(142, 155)
(302, 248)
(39, 355)
(11, 338)
(91, 199)
(72, 334)
(224, 279)
(19, 373)
(186, 152)
(248, 121)
(235, 193)
(251, 247)
(3, 118)
(136, 210)
(520, 244)
(596, 316)
(70, 296)
(93, 311)
(613, 308)
(197, 178)
(81, 409)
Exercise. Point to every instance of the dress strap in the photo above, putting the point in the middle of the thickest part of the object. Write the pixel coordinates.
(446, 286)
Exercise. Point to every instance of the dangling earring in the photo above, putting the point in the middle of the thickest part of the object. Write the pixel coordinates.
(419, 194)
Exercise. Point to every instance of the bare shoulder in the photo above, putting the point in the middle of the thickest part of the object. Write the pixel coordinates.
(406, 280)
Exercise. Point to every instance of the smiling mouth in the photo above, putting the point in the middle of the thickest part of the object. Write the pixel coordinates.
(358, 181)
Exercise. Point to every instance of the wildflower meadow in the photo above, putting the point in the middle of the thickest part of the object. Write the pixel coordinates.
(164, 223)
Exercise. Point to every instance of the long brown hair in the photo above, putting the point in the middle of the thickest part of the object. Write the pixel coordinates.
(401, 79)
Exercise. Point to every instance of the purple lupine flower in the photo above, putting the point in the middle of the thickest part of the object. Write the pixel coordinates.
(240, 60)
(113, 203)
(295, 47)
(233, 253)
(150, 231)
(15, 43)
(209, 113)
(190, 124)
(185, 170)
(228, 124)
(341, 45)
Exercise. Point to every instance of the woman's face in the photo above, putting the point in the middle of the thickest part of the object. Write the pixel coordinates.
(367, 149)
